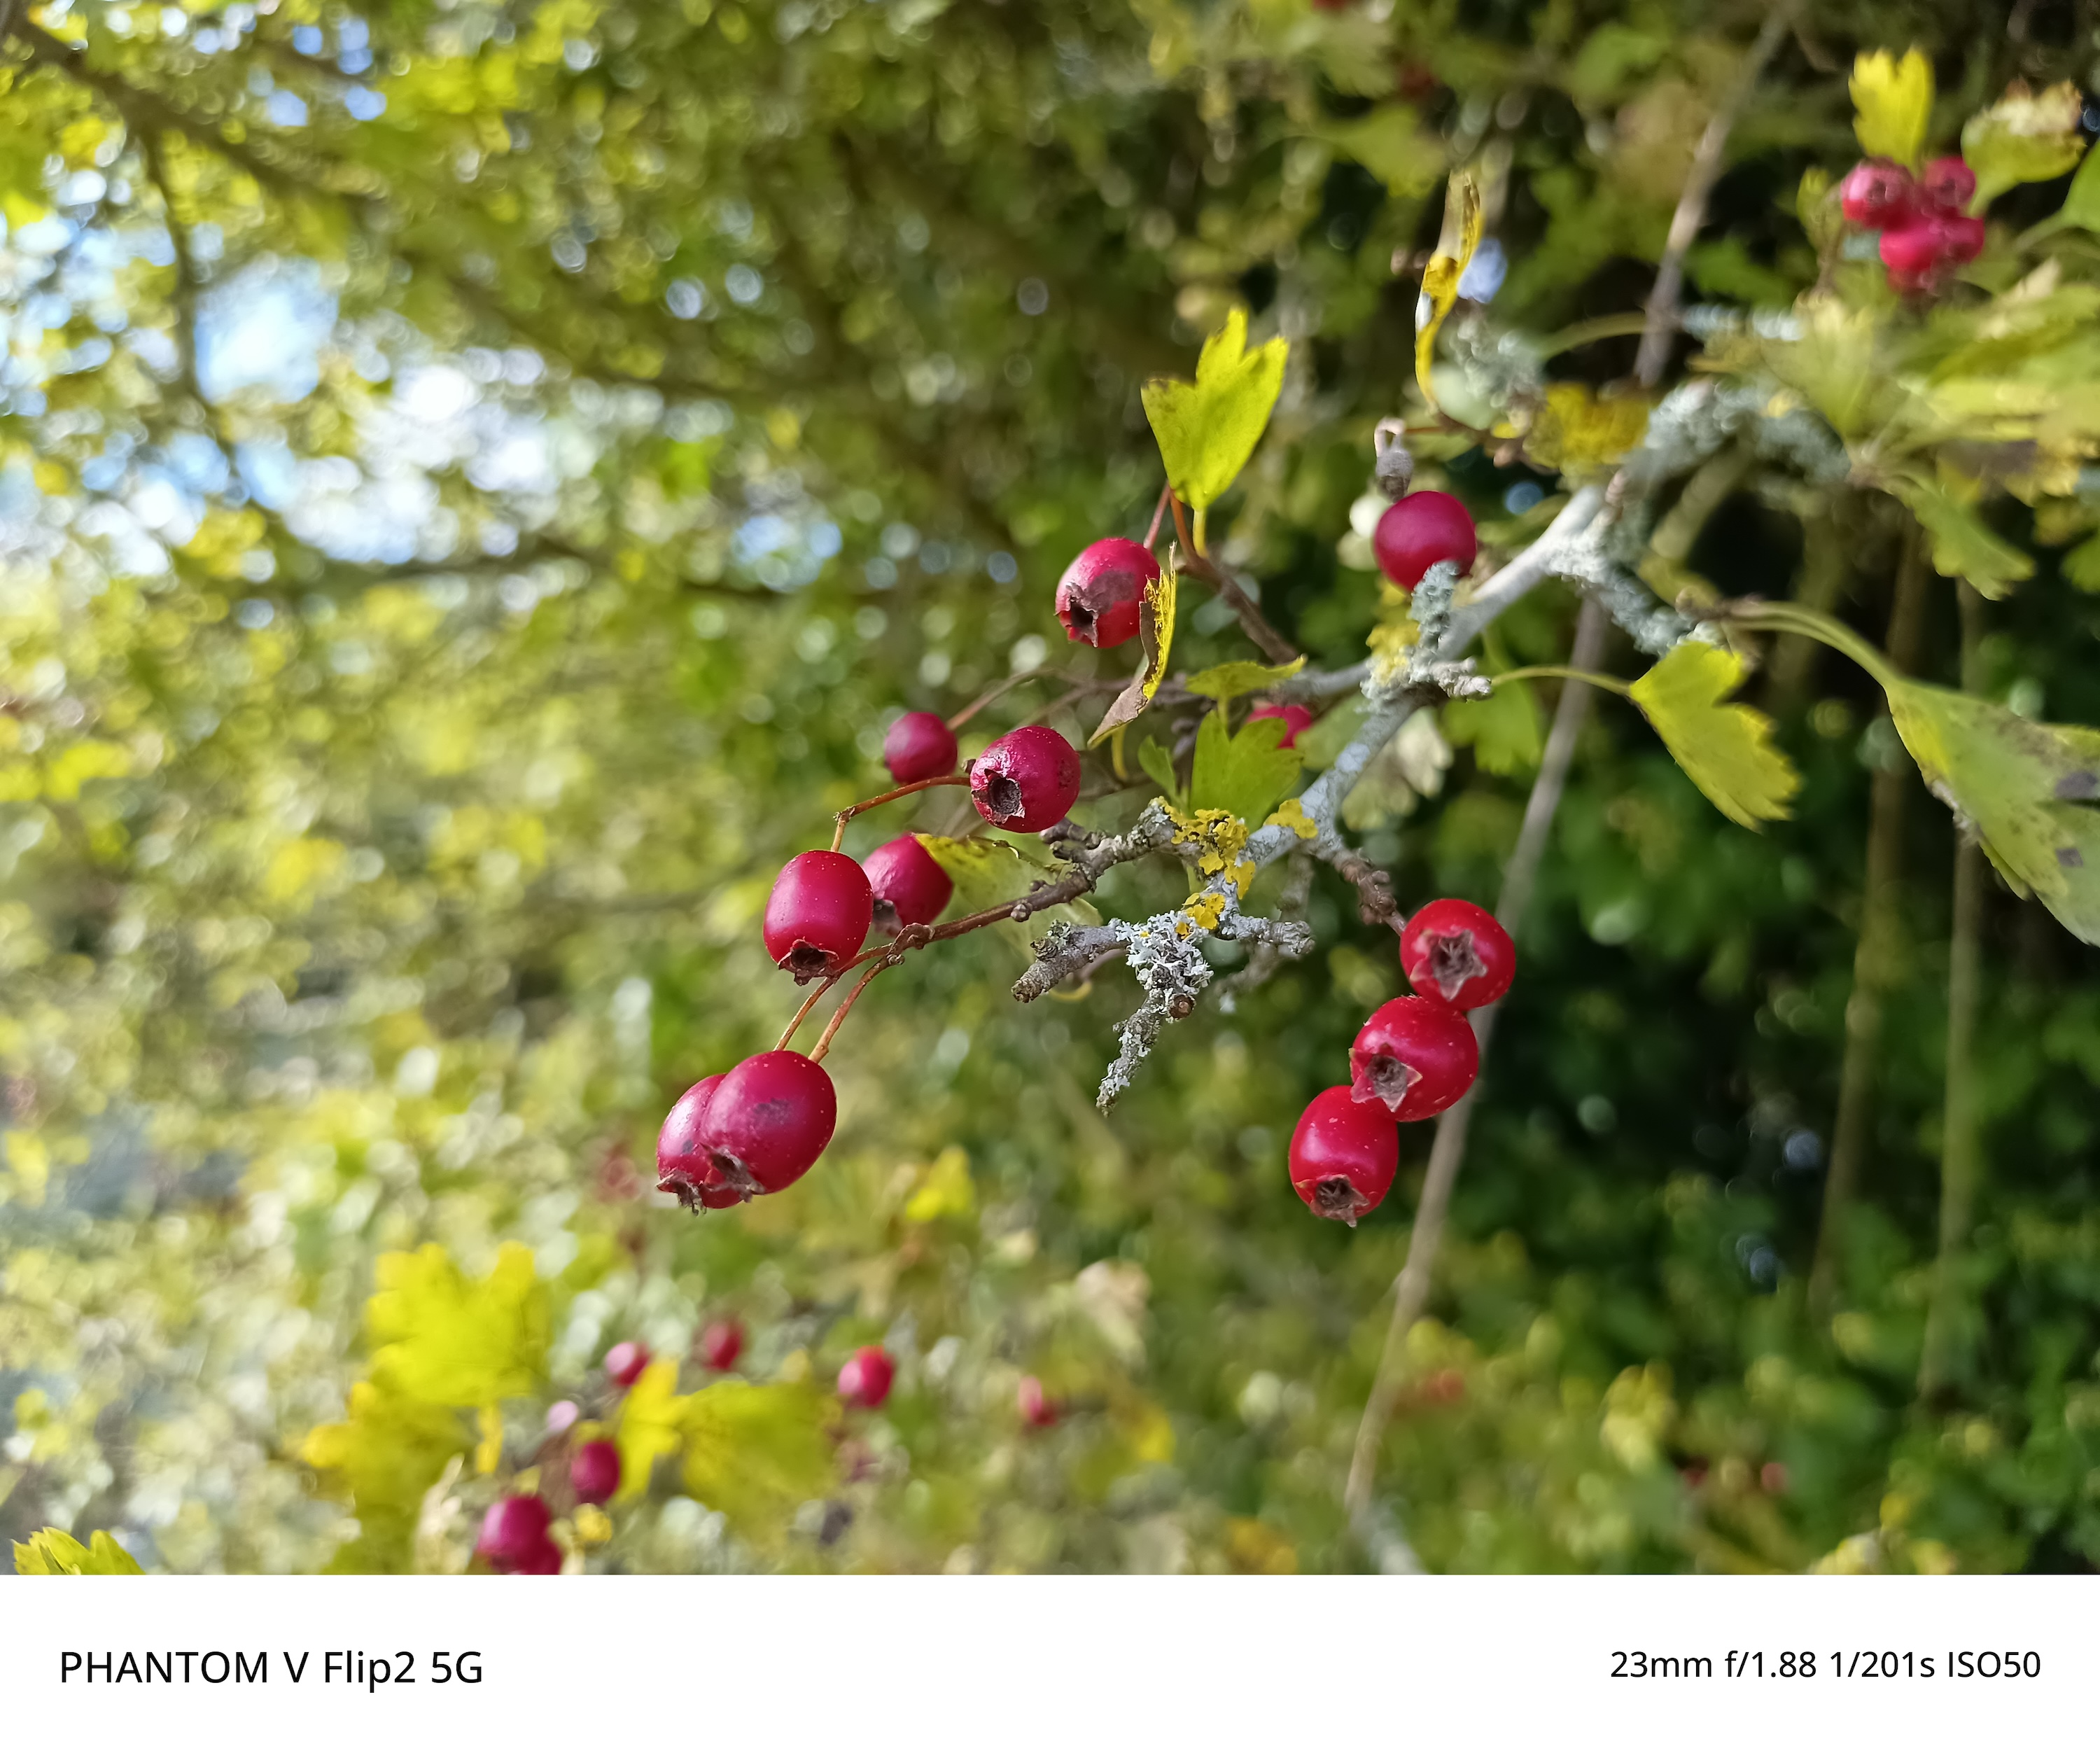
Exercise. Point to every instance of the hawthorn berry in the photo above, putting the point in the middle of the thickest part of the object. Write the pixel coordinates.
(866, 1379)
(765, 1124)
(1100, 598)
(1948, 185)
(1418, 532)
(1458, 953)
(1343, 1156)
(1295, 717)
(624, 1362)
(1037, 1409)
(681, 1164)
(1920, 251)
(919, 746)
(1877, 194)
(721, 1344)
(1026, 780)
(594, 1473)
(543, 1560)
(1413, 1058)
(511, 1530)
(820, 912)
(909, 886)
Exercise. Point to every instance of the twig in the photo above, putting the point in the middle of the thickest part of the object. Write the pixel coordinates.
(859, 807)
(802, 1013)
(889, 957)
(1263, 634)
(1158, 514)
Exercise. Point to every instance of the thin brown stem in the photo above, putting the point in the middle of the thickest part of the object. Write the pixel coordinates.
(963, 717)
(802, 1013)
(824, 1044)
(1263, 634)
(1158, 514)
(859, 807)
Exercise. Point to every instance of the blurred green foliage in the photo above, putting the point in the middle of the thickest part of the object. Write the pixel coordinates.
(477, 477)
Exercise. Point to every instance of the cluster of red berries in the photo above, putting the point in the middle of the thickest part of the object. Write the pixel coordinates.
(1414, 1057)
(1926, 229)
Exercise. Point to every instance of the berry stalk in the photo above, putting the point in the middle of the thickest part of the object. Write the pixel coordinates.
(844, 1008)
(809, 1001)
(859, 807)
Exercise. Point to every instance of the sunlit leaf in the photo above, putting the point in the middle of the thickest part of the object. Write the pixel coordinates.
(1158, 763)
(652, 1420)
(1156, 632)
(53, 1552)
(1239, 678)
(1455, 246)
(1503, 728)
(1963, 547)
(1245, 773)
(2081, 202)
(1577, 430)
(989, 870)
(1207, 431)
(1892, 100)
(757, 1454)
(1392, 144)
(453, 1340)
(945, 1189)
(2024, 138)
(1725, 748)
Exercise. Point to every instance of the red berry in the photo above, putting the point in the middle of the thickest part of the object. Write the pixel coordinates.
(766, 1125)
(721, 1344)
(907, 883)
(594, 1473)
(1343, 1156)
(918, 745)
(1949, 184)
(681, 1164)
(1877, 194)
(624, 1362)
(1102, 594)
(819, 914)
(1418, 532)
(866, 1379)
(1295, 717)
(1457, 953)
(1918, 252)
(543, 1560)
(1413, 1058)
(1026, 780)
(1037, 1408)
(513, 1528)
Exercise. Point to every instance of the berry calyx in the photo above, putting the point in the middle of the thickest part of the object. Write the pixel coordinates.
(865, 1380)
(919, 746)
(624, 1362)
(1877, 194)
(681, 1163)
(1418, 532)
(1102, 595)
(1295, 717)
(909, 886)
(1413, 1058)
(721, 1344)
(1457, 953)
(1948, 185)
(512, 1531)
(1343, 1156)
(819, 914)
(765, 1125)
(1026, 780)
(594, 1473)
(1037, 1410)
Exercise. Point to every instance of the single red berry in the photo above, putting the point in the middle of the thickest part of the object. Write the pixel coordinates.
(1100, 598)
(1413, 1058)
(624, 1362)
(919, 746)
(819, 914)
(512, 1528)
(866, 1379)
(767, 1122)
(1877, 194)
(1418, 532)
(681, 1163)
(909, 886)
(1343, 1156)
(1037, 1408)
(1948, 185)
(1962, 237)
(594, 1473)
(543, 1560)
(1457, 953)
(1295, 717)
(1026, 780)
(721, 1344)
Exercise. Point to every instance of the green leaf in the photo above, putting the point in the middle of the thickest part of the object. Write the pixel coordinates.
(1963, 547)
(1392, 144)
(452, 1341)
(1239, 678)
(1207, 431)
(2024, 138)
(2031, 790)
(2081, 202)
(1893, 102)
(1725, 748)
(1503, 728)
(1245, 773)
(758, 1454)
(1155, 629)
(2081, 567)
(1322, 742)
(53, 1552)
(1158, 763)
(989, 870)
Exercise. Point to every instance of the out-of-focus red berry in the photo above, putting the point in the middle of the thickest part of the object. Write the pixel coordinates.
(624, 1362)
(1877, 194)
(918, 748)
(1036, 1408)
(1418, 532)
(1948, 185)
(1295, 717)
(594, 1473)
(865, 1380)
(721, 1344)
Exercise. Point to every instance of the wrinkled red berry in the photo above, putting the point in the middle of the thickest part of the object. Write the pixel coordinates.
(1295, 717)
(1414, 1057)
(1458, 954)
(1026, 780)
(513, 1528)
(1418, 532)
(1037, 1408)
(1949, 186)
(1343, 1156)
(908, 883)
(721, 1344)
(624, 1362)
(766, 1123)
(918, 747)
(594, 1473)
(819, 914)
(1877, 194)
(866, 1379)
(681, 1163)
(1102, 595)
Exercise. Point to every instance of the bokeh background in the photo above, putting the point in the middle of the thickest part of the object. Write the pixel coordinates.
(480, 478)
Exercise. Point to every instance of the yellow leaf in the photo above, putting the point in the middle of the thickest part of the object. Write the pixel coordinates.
(451, 1341)
(1893, 100)
(1156, 630)
(758, 1454)
(1239, 678)
(2024, 138)
(652, 1419)
(1724, 747)
(1207, 431)
(53, 1552)
(489, 1455)
(945, 1189)
(1460, 238)
(1577, 430)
